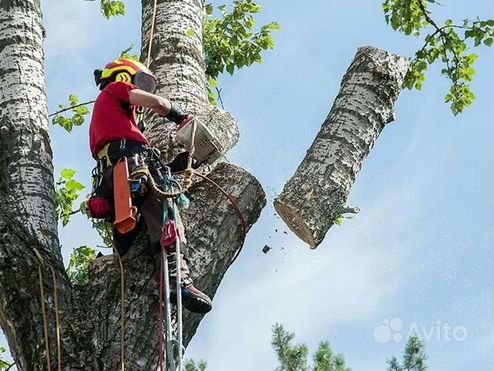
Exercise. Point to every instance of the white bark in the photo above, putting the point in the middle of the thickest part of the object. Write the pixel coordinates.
(27, 209)
(315, 196)
(178, 60)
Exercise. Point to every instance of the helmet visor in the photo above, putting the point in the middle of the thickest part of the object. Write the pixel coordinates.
(145, 81)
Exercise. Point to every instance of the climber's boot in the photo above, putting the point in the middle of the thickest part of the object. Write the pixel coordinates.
(192, 299)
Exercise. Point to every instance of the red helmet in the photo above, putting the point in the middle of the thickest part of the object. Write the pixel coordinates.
(127, 70)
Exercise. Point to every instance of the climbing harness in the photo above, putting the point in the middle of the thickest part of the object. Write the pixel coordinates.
(42, 263)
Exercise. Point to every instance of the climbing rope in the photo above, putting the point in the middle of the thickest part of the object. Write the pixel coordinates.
(178, 289)
(142, 174)
(57, 318)
(41, 264)
(151, 34)
(164, 284)
(160, 313)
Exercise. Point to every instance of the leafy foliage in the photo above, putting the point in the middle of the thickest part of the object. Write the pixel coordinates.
(449, 43)
(78, 269)
(190, 365)
(79, 112)
(294, 357)
(414, 358)
(4, 365)
(112, 8)
(325, 360)
(67, 191)
(231, 42)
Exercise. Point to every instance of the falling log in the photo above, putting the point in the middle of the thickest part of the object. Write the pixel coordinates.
(315, 196)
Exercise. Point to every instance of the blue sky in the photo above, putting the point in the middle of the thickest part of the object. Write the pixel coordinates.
(421, 248)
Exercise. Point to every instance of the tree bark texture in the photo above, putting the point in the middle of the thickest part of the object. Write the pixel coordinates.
(27, 211)
(90, 315)
(316, 194)
(177, 58)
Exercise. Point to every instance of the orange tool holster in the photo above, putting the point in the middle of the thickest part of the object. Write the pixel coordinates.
(125, 213)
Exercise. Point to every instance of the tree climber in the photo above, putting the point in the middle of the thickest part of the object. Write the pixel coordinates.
(114, 133)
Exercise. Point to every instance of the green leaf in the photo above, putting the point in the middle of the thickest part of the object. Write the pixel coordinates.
(79, 262)
(127, 53)
(213, 83)
(73, 99)
(67, 173)
(73, 185)
(77, 118)
(66, 193)
(112, 8)
(488, 41)
(231, 42)
(3, 364)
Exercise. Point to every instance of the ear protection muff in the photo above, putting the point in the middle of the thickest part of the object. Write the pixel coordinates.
(124, 77)
(97, 76)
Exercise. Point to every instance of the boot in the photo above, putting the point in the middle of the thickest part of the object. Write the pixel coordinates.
(192, 299)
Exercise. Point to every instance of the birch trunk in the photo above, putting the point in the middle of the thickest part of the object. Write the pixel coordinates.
(27, 211)
(316, 194)
(177, 59)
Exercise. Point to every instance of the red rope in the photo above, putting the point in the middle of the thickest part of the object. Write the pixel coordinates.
(235, 205)
(160, 316)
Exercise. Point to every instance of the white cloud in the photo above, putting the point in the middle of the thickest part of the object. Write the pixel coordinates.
(346, 280)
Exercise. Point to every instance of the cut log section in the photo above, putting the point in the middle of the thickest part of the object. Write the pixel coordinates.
(316, 194)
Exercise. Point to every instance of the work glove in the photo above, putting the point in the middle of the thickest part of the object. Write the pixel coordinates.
(177, 115)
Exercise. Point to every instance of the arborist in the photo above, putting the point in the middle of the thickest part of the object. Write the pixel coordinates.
(114, 133)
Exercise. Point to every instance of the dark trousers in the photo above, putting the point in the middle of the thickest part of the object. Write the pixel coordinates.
(150, 215)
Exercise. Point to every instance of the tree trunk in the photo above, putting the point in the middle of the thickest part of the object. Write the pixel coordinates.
(28, 219)
(90, 315)
(316, 194)
(177, 58)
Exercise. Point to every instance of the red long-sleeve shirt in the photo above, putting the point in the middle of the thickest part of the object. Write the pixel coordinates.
(113, 118)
